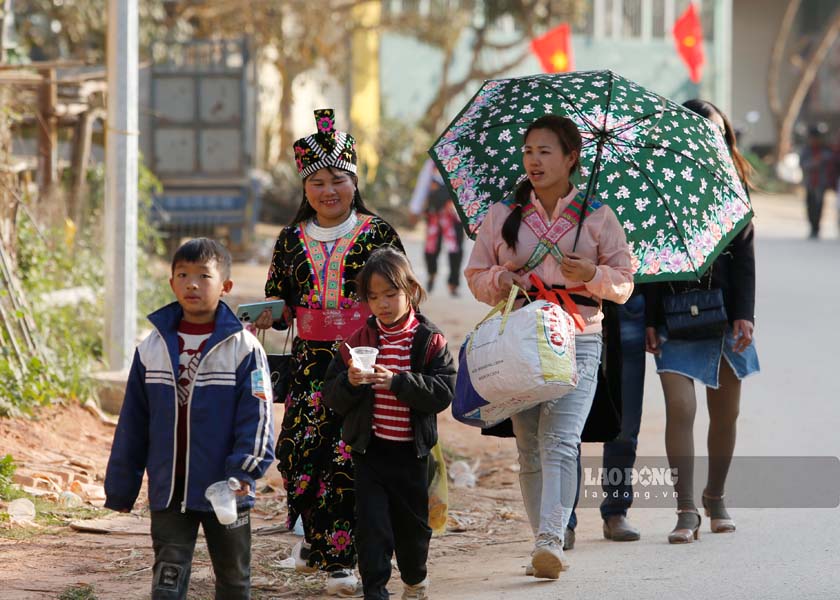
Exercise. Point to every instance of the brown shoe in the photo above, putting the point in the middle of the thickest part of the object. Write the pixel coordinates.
(687, 529)
(719, 518)
(569, 539)
(618, 529)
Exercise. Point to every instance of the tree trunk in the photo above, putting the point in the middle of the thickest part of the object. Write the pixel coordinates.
(434, 112)
(806, 79)
(777, 55)
(286, 105)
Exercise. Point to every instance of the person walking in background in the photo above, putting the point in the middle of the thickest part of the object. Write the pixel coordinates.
(817, 167)
(719, 361)
(197, 411)
(596, 265)
(443, 227)
(314, 267)
(390, 422)
(624, 327)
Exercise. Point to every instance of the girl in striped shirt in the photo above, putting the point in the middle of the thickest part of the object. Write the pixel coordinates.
(390, 423)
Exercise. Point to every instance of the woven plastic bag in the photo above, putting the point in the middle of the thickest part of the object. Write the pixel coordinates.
(467, 404)
(520, 358)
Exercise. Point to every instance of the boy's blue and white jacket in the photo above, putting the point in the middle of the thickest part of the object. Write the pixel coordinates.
(230, 431)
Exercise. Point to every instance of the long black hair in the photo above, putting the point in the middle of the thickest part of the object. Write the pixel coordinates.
(570, 141)
(704, 108)
(306, 212)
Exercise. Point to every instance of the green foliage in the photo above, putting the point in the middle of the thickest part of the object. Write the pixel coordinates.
(56, 259)
(81, 591)
(7, 471)
(24, 390)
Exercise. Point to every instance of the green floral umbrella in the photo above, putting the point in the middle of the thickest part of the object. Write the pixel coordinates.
(665, 171)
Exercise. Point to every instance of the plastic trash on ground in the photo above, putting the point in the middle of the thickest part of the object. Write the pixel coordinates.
(21, 511)
(462, 474)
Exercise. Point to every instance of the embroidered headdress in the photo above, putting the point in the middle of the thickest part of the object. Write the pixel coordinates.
(326, 147)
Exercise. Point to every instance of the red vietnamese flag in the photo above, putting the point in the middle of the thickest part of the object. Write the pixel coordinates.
(554, 50)
(688, 33)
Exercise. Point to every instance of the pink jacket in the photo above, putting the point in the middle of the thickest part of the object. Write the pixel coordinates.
(601, 240)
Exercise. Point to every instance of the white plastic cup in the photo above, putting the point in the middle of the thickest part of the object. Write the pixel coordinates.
(223, 500)
(364, 357)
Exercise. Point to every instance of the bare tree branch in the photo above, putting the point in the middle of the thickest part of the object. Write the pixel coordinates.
(785, 130)
(777, 57)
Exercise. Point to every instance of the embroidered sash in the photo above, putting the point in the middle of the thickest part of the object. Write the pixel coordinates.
(330, 324)
(328, 268)
(549, 236)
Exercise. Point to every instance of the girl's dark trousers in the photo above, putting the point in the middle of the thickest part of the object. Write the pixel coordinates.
(392, 514)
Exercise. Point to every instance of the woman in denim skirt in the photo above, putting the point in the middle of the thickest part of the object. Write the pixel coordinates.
(719, 362)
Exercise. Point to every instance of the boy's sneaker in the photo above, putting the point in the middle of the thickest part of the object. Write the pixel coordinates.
(300, 552)
(418, 591)
(344, 584)
(547, 559)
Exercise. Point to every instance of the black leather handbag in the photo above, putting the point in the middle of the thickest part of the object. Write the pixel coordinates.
(695, 314)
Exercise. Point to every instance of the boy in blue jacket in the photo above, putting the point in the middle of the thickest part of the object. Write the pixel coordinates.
(197, 410)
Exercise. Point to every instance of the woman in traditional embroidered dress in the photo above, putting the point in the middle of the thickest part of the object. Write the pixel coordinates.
(576, 246)
(314, 267)
(718, 362)
(443, 228)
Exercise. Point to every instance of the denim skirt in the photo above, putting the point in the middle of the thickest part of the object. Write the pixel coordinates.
(700, 359)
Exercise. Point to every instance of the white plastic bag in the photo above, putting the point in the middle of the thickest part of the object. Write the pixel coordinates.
(517, 359)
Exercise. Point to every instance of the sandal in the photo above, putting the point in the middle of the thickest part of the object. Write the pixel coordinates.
(687, 529)
(719, 518)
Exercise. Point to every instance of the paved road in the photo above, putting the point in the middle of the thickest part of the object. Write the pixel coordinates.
(791, 409)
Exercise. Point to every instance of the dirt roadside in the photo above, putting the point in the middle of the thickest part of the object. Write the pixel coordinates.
(116, 564)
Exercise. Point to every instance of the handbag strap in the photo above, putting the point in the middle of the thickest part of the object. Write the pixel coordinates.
(708, 287)
(290, 335)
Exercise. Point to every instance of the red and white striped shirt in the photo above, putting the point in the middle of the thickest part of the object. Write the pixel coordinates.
(392, 417)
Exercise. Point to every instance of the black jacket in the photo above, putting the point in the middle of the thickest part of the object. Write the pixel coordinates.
(733, 272)
(427, 389)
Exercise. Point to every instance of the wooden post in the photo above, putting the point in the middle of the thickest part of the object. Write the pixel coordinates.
(47, 133)
(82, 133)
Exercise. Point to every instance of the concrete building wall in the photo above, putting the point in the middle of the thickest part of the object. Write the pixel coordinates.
(411, 71)
(755, 24)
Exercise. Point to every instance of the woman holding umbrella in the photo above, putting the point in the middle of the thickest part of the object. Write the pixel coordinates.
(719, 362)
(314, 267)
(590, 260)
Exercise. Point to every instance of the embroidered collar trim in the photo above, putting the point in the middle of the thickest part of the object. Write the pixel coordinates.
(330, 234)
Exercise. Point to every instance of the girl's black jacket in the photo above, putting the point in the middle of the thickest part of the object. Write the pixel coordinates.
(427, 389)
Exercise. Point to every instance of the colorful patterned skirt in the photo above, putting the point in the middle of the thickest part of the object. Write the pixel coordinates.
(315, 462)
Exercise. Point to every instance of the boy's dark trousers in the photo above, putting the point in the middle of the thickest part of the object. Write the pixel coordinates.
(173, 537)
(392, 514)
